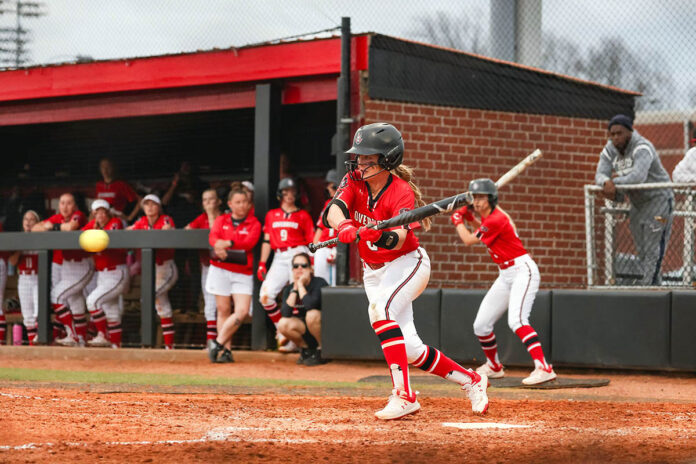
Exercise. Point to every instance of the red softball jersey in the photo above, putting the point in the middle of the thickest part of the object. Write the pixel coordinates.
(28, 262)
(326, 232)
(395, 198)
(108, 259)
(288, 230)
(201, 222)
(244, 233)
(498, 234)
(70, 255)
(118, 193)
(162, 254)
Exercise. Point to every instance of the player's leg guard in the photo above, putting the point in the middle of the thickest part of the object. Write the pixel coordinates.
(65, 317)
(392, 341)
(435, 362)
(3, 326)
(531, 340)
(115, 331)
(211, 330)
(99, 320)
(167, 332)
(273, 312)
(489, 345)
(31, 333)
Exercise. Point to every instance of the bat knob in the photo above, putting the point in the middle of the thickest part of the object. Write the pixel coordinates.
(312, 247)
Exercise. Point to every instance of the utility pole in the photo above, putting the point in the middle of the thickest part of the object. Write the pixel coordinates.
(13, 40)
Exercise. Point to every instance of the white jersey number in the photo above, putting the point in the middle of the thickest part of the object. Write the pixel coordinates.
(283, 235)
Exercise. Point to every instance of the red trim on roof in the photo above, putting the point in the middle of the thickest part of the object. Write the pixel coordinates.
(159, 102)
(279, 61)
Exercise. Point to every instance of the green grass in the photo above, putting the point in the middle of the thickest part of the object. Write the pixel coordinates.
(61, 376)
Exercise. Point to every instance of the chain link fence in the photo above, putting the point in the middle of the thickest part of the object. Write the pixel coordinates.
(641, 246)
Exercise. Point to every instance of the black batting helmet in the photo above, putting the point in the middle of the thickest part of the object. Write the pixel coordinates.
(485, 187)
(285, 183)
(378, 138)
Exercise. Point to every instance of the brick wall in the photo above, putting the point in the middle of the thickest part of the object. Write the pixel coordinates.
(448, 147)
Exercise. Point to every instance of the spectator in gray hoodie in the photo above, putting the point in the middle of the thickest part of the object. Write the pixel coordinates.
(628, 159)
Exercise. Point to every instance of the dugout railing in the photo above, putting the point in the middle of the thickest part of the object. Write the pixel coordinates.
(148, 241)
(613, 260)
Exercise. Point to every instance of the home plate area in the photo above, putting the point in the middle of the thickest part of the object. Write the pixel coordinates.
(505, 382)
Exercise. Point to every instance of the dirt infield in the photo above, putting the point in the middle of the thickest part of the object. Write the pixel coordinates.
(297, 414)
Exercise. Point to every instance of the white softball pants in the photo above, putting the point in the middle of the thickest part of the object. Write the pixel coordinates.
(28, 290)
(166, 275)
(324, 269)
(280, 274)
(3, 282)
(74, 277)
(209, 307)
(110, 285)
(513, 291)
(391, 291)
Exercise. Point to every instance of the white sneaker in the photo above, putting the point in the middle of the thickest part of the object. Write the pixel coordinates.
(68, 340)
(397, 407)
(477, 395)
(489, 372)
(99, 340)
(289, 347)
(540, 375)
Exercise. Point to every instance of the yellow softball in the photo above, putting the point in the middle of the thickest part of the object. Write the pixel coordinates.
(94, 240)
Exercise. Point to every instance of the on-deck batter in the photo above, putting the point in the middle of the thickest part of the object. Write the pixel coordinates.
(515, 288)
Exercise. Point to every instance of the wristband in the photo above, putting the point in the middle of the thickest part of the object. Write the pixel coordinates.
(388, 240)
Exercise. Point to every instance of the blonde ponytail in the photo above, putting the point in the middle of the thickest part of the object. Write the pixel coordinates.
(406, 173)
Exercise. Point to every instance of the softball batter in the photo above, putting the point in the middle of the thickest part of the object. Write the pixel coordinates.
(395, 268)
(515, 288)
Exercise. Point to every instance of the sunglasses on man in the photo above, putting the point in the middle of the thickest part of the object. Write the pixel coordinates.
(302, 265)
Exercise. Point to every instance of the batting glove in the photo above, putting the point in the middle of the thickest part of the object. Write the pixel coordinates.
(369, 235)
(347, 233)
(457, 219)
(261, 271)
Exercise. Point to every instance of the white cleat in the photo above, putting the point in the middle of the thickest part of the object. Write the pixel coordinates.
(540, 375)
(68, 340)
(398, 406)
(490, 372)
(99, 340)
(289, 347)
(477, 395)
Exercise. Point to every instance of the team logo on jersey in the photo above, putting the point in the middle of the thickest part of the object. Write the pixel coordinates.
(358, 138)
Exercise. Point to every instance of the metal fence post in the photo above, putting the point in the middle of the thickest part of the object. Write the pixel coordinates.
(148, 327)
(45, 329)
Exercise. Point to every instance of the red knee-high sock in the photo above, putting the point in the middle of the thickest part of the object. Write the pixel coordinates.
(65, 317)
(57, 330)
(273, 312)
(99, 319)
(3, 328)
(531, 340)
(31, 334)
(115, 333)
(490, 349)
(211, 333)
(392, 341)
(435, 362)
(80, 326)
(167, 331)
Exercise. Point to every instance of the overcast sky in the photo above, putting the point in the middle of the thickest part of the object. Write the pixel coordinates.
(124, 28)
